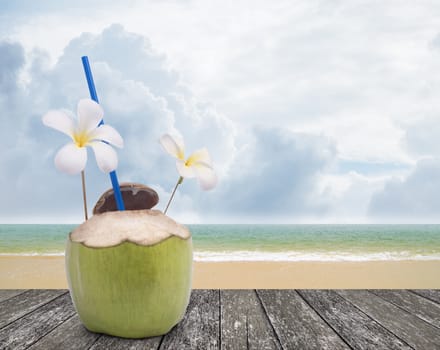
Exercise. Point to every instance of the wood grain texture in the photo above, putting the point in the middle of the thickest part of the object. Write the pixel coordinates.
(240, 319)
(415, 304)
(21, 304)
(200, 328)
(358, 329)
(71, 334)
(244, 323)
(6, 294)
(106, 342)
(35, 325)
(296, 324)
(431, 294)
(411, 329)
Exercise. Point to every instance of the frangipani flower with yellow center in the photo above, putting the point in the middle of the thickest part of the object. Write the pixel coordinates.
(87, 132)
(197, 165)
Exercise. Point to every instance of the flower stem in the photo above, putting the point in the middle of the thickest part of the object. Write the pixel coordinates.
(174, 191)
(84, 195)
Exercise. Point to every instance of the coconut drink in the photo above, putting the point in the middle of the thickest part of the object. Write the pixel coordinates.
(129, 272)
(129, 268)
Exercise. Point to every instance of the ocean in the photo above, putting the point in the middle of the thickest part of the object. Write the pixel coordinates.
(263, 242)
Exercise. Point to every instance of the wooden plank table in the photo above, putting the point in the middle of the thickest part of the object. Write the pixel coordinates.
(241, 319)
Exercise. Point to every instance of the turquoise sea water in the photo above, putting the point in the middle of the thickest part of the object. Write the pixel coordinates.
(263, 242)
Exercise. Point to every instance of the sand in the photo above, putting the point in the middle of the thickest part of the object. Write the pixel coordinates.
(48, 272)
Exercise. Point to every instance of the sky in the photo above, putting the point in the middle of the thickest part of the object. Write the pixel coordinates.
(323, 111)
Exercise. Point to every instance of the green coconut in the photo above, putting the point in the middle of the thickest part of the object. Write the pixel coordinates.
(129, 272)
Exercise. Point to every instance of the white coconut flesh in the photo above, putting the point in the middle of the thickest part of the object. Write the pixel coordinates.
(143, 227)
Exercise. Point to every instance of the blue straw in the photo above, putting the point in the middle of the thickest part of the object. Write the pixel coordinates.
(94, 97)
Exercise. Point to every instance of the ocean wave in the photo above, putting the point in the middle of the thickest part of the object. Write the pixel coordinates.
(284, 256)
(309, 256)
(34, 254)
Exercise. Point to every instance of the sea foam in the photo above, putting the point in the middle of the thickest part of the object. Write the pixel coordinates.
(284, 256)
(308, 256)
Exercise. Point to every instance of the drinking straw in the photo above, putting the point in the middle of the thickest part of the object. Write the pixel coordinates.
(94, 97)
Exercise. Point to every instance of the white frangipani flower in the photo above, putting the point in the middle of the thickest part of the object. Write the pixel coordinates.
(197, 165)
(72, 157)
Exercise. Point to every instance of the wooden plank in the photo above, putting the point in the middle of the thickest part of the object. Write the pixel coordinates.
(21, 304)
(358, 330)
(414, 331)
(296, 324)
(6, 294)
(71, 334)
(106, 342)
(244, 324)
(415, 304)
(431, 294)
(200, 328)
(31, 327)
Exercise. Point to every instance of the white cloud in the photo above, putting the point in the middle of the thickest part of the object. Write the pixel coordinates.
(305, 64)
(422, 139)
(142, 102)
(348, 196)
(366, 136)
(413, 199)
(356, 76)
(274, 177)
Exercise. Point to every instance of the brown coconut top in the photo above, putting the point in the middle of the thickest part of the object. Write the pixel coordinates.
(135, 196)
(143, 227)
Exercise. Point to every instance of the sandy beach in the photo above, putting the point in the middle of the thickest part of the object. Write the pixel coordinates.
(48, 272)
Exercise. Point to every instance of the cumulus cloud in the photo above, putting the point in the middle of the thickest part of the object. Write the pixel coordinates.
(276, 116)
(422, 138)
(262, 171)
(308, 65)
(348, 195)
(274, 177)
(415, 198)
(11, 61)
(141, 97)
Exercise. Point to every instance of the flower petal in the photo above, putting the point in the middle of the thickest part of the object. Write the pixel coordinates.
(105, 155)
(199, 156)
(206, 176)
(173, 146)
(108, 134)
(90, 115)
(71, 159)
(59, 121)
(184, 170)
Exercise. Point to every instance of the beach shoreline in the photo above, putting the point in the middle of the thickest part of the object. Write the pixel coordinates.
(48, 272)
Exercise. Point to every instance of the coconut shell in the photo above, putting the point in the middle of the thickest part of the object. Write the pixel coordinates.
(136, 197)
(130, 273)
